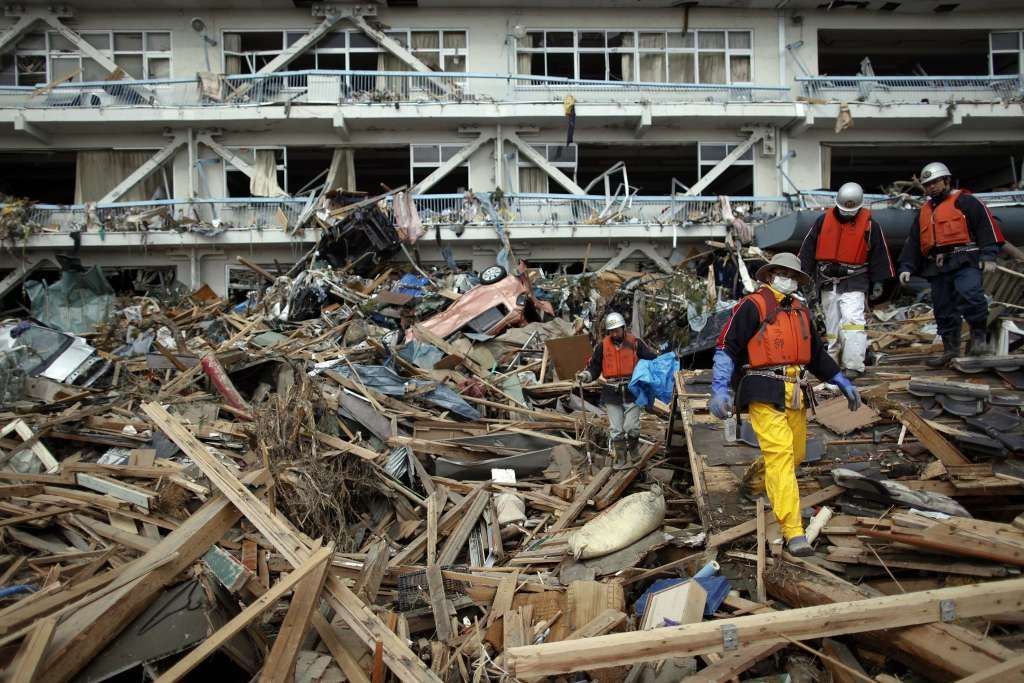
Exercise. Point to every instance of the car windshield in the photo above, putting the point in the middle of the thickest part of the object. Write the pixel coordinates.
(42, 345)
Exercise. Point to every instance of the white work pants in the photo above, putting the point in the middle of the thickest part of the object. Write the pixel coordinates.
(845, 332)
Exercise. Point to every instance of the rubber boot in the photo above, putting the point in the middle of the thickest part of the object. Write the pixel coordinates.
(618, 453)
(950, 350)
(799, 547)
(979, 342)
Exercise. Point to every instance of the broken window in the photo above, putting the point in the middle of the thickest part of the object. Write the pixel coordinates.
(1006, 53)
(47, 176)
(41, 58)
(650, 168)
(246, 52)
(737, 180)
(237, 184)
(702, 56)
(903, 53)
(976, 167)
(425, 159)
(534, 179)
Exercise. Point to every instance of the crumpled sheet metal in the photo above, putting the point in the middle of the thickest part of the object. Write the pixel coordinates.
(390, 383)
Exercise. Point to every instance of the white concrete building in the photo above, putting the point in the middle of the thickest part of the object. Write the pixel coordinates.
(111, 115)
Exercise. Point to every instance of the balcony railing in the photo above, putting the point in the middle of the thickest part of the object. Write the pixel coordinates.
(211, 216)
(368, 87)
(912, 89)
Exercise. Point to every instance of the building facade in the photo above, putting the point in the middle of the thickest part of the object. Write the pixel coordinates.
(176, 140)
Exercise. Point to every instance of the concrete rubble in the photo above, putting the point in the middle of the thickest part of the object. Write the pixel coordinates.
(366, 471)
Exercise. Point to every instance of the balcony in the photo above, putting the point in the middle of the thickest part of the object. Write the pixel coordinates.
(551, 213)
(367, 88)
(913, 89)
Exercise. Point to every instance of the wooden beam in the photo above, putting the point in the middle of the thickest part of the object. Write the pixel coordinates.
(453, 546)
(761, 539)
(345, 659)
(27, 662)
(439, 603)
(280, 663)
(872, 614)
(935, 442)
(317, 563)
(998, 672)
(581, 499)
(287, 541)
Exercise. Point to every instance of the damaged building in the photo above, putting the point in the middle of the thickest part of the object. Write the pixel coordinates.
(174, 141)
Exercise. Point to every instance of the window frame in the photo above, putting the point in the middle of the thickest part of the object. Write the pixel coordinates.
(543, 148)
(281, 167)
(50, 54)
(454, 148)
(748, 159)
(400, 35)
(636, 50)
(992, 51)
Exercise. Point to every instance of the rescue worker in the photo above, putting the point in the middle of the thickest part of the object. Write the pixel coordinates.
(762, 353)
(952, 240)
(846, 251)
(613, 360)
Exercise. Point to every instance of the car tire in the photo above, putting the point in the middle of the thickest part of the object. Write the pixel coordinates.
(493, 274)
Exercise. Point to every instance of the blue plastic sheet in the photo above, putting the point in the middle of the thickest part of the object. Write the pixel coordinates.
(390, 383)
(652, 379)
(412, 284)
(717, 587)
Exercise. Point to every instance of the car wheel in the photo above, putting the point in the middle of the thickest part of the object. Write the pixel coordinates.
(492, 275)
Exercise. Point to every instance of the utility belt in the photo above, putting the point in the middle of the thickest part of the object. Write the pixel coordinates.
(834, 273)
(779, 372)
(939, 254)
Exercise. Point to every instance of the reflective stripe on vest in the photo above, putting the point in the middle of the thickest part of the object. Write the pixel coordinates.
(784, 335)
(944, 225)
(840, 242)
(618, 361)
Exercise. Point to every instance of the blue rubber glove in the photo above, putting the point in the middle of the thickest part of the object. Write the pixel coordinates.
(849, 391)
(721, 405)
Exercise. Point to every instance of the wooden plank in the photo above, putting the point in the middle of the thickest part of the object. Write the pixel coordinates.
(1014, 665)
(580, 500)
(871, 614)
(459, 536)
(128, 540)
(938, 651)
(374, 567)
(345, 659)
(604, 622)
(439, 603)
(935, 442)
(503, 596)
(414, 550)
(433, 506)
(761, 595)
(316, 563)
(22, 429)
(280, 663)
(842, 654)
(750, 526)
(287, 540)
(136, 495)
(27, 663)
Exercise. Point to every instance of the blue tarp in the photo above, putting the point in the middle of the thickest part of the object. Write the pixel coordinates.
(411, 284)
(652, 379)
(390, 383)
(717, 587)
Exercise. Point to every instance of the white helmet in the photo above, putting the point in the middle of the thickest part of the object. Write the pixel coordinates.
(849, 199)
(614, 321)
(933, 171)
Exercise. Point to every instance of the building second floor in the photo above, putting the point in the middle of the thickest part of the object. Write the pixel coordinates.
(65, 65)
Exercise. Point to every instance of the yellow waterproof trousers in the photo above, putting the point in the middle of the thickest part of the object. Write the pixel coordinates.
(782, 435)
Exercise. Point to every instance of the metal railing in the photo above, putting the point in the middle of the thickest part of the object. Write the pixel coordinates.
(366, 87)
(555, 211)
(211, 216)
(912, 88)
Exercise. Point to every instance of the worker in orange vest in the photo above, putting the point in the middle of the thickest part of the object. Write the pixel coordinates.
(952, 241)
(771, 339)
(613, 360)
(846, 251)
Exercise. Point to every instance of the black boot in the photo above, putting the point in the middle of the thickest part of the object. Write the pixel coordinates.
(950, 350)
(979, 342)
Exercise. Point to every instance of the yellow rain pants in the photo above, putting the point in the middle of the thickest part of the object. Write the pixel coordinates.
(782, 435)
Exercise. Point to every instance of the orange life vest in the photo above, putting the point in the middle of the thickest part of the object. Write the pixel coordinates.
(944, 225)
(618, 361)
(784, 336)
(840, 242)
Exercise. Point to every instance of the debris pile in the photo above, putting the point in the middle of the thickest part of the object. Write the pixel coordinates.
(359, 472)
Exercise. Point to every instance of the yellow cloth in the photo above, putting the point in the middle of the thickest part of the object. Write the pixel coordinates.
(783, 439)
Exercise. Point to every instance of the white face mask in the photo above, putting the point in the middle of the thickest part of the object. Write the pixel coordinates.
(786, 285)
